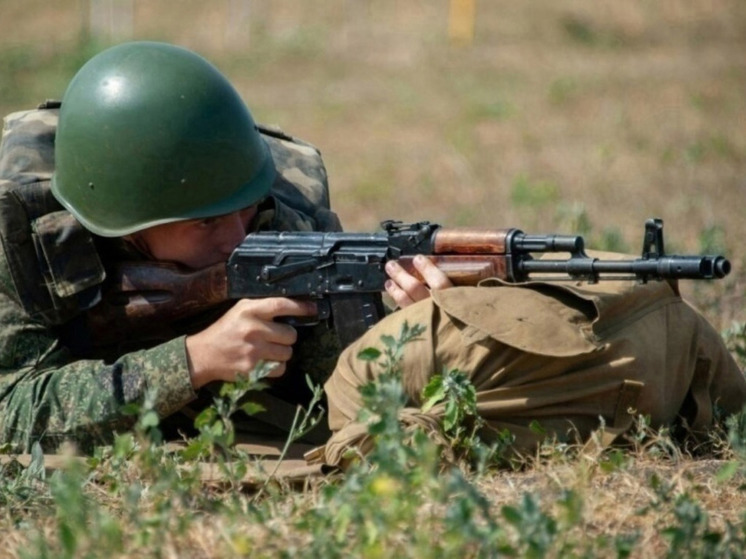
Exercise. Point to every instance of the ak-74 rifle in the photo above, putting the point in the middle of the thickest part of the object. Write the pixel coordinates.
(344, 272)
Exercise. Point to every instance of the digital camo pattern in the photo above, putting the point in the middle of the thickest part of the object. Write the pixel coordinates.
(52, 395)
(47, 395)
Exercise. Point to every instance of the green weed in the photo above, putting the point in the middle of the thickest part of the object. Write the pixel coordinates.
(400, 499)
(397, 501)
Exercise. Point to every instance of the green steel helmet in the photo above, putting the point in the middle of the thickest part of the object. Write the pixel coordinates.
(152, 133)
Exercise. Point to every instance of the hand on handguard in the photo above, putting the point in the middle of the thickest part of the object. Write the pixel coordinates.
(405, 289)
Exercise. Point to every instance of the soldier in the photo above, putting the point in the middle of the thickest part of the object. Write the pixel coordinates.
(156, 157)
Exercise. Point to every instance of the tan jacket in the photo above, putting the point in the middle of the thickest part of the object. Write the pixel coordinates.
(565, 355)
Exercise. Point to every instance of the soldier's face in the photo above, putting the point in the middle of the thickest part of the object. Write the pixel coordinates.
(196, 243)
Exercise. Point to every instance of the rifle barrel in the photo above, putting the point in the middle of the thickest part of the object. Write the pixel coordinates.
(663, 267)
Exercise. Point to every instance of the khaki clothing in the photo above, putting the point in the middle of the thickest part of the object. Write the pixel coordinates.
(569, 356)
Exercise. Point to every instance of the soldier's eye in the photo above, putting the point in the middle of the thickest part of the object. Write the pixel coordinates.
(207, 222)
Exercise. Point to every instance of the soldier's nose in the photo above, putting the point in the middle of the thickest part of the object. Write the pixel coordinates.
(232, 232)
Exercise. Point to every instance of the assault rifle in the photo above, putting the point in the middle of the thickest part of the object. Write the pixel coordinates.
(344, 272)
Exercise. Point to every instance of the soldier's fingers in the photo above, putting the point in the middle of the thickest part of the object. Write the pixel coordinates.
(434, 277)
(400, 297)
(274, 355)
(273, 352)
(280, 333)
(273, 307)
(414, 288)
(252, 330)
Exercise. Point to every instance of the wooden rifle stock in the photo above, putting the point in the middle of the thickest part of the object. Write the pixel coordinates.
(143, 295)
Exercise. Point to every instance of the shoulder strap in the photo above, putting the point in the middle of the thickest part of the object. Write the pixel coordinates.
(52, 260)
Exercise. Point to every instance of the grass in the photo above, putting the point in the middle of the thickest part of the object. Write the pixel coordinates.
(137, 499)
(584, 117)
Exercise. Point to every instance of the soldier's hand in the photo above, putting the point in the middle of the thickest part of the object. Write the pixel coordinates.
(405, 289)
(243, 337)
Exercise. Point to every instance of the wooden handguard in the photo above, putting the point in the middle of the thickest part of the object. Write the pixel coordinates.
(462, 269)
(467, 256)
(471, 241)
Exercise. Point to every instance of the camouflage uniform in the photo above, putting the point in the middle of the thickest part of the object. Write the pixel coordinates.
(55, 386)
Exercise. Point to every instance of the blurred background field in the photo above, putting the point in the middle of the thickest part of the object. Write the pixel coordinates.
(580, 116)
(576, 116)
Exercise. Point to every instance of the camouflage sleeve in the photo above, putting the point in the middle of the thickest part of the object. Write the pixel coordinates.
(48, 396)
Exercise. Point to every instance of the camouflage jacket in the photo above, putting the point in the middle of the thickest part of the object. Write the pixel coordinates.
(55, 387)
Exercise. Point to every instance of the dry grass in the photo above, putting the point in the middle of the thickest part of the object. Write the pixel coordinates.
(626, 110)
(635, 499)
(623, 110)
(620, 502)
